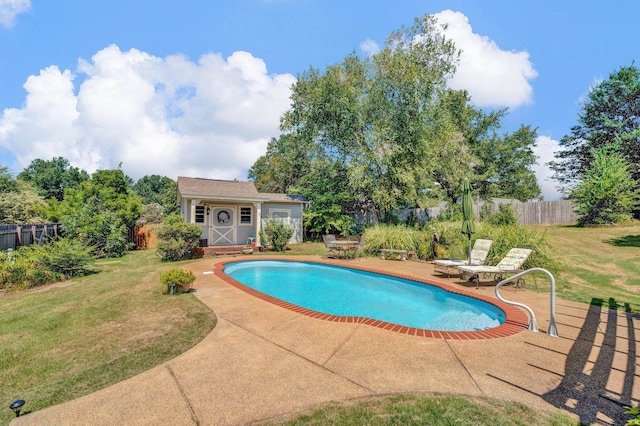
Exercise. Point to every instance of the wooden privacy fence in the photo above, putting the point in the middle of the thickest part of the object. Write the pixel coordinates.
(538, 212)
(14, 235)
(531, 213)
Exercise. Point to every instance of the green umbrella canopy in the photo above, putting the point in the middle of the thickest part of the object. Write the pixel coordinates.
(468, 227)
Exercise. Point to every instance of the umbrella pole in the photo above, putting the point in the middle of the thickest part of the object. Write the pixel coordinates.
(469, 262)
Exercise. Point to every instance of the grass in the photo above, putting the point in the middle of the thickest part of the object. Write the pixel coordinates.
(598, 263)
(68, 341)
(436, 410)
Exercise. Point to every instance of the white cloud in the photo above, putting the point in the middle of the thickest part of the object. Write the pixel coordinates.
(9, 9)
(168, 116)
(493, 77)
(544, 150)
(369, 47)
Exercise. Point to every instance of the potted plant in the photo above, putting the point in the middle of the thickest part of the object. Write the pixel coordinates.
(177, 280)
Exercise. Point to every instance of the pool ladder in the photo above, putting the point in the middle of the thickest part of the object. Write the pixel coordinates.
(533, 326)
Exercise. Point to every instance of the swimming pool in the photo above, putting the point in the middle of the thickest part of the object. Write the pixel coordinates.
(347, 292)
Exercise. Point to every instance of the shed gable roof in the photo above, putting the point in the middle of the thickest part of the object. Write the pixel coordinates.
(229, 190)
(200, 187)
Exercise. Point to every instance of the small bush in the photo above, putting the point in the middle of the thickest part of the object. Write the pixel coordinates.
(177, 280)
(177, 240)
(35, 266)
(277, 234)
(506, 216)
(66, 256)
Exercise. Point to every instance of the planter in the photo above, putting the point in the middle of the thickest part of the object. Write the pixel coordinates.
(247, 250)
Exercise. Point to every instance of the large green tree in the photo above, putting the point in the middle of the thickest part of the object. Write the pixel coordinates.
(158, 189)
(606, 193)
(374, 134)
(99, 212)
(497, 164)
(52, 177)
(371, 118)
(609, 117)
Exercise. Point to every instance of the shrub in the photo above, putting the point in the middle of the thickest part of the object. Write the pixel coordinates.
(177, 240)
(276, 233)
(25, 271)
(177, 280)
(506, 216)
(65, 256)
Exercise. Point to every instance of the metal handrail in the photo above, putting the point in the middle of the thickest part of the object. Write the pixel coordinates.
(533, 326)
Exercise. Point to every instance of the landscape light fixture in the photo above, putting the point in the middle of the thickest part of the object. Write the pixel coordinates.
(208, 211)
(16, 406)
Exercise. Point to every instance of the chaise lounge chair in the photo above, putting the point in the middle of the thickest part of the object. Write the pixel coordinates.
(510, 264)
(449, 267)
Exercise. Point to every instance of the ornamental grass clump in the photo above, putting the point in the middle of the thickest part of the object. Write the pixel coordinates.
(177, 280)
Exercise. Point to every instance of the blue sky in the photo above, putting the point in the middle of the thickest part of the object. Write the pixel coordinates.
(196, 88)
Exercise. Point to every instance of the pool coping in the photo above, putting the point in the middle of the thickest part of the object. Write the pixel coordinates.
(515, 319)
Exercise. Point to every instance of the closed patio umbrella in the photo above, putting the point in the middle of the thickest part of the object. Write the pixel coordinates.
(468, 227)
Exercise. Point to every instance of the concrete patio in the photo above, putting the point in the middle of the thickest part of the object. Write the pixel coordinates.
(264, 362)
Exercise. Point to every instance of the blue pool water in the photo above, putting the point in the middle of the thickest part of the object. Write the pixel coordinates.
(349, 292)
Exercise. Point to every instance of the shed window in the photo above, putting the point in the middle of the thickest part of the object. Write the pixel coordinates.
(199, 214)
(245, 215)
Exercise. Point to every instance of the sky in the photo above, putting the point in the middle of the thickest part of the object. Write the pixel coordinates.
(196, 88)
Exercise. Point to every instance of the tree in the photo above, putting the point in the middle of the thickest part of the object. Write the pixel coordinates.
(158, 189)
(610, 115)
(370, 117)
(99, 212)
(52, 177)
(21, 205)
(7, 182)
(497, 165)
(607, 192)
(389, 134)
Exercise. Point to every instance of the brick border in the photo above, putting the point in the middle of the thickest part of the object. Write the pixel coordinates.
(515, 319)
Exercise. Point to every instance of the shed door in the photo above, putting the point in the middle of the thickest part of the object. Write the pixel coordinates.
(223, 227)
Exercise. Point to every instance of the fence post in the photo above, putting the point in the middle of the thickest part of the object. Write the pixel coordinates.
(19, 231)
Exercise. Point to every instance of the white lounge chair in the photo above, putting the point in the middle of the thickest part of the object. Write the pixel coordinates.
(478, 256)
(510, 264)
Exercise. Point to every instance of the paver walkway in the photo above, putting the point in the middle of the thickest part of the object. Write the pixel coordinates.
(264, 362)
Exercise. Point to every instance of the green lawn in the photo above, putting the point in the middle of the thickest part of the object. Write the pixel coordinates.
(65, 342)
(599, 263)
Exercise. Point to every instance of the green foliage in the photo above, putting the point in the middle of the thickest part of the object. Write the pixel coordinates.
(635, 421)
(103, 233)
(33, 266)
(176, 280)
(454, 244)
(22, 205)
(610, 115)
(64, 256)
(158, 189)
(506, 216)
(7, 182)
(607, 193)
(177, 240)
(51, 178)
(377, 133)
(276, 234)
(99, 212)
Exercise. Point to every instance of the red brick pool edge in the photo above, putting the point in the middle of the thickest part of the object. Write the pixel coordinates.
(515, 322)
